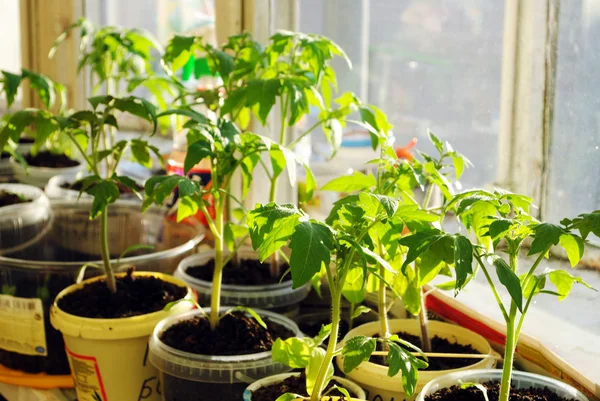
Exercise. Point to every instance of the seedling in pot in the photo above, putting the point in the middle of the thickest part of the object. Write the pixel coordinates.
(86, 130)
(348, 240)
(397, 178)
(220, 141)
(501, 222)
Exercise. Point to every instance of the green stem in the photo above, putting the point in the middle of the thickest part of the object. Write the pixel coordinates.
(382, 305)
(423, 320)
(296, 141)
(492, 286)
(110, 276)
(509, 354)
(215, 297)
(428, 196)
(336, 299)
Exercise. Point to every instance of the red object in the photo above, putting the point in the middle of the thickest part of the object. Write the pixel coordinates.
(404, 152)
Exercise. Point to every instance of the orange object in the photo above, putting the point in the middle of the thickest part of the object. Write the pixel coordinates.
(37, 380)
(404, 152)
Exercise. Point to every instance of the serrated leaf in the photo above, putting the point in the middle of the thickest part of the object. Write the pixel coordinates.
(311, 246)
(439, 145)
(293, 352)
(10, 86)
(104, 193)
(564, 281)
(400, 359)
(545, 235)
(195, 153)
(356, 351)
(359, 310)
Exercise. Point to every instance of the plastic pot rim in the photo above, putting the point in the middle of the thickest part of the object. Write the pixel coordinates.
(493, 374)
(130, 260)
(265, 381)
(116, 328)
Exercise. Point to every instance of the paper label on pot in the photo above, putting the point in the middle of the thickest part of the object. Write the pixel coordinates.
(22, 326)
(86, 374)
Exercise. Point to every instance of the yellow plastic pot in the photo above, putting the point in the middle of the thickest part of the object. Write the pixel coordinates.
(109, 357)
(379, 386)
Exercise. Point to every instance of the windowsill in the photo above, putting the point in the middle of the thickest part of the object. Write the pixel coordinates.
(569, 328)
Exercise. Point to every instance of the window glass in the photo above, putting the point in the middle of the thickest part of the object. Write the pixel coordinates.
(575, 146)
(10, 36)
(428, 64)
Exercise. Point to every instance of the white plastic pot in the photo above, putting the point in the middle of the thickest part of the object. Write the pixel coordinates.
(55, 189)
(373, 378)
(23, 224)
(39, 176)
(518, 380)
(183, 374)
(109, 357)
(352, 387)
(280, 297)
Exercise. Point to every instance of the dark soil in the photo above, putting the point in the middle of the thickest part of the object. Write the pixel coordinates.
(455, 393)
(312, 327)
(77, 186)
(236, 334)
(47, 159)
(295, 385)
(249, 272)
(9, 198)
(26, 140)
(438, 344)
(4, 155)
(135, 296)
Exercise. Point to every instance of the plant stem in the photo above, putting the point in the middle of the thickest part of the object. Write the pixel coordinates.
(215, 297)
(382, 307)
(274, 264)
(425, 340)
(296, 141)
(110, 276)
(336, 298)
(509, 354)
(428, 196)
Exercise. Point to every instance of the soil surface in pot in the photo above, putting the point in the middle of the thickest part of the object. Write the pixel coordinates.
(249, 272)
(9, 198)
(455, 393)
(26, 140)
(47, 159)
(236, 334)
(295, 385)
(311, 327)
(438, 344)
(135, 296)
(4, 155)
(77, 186)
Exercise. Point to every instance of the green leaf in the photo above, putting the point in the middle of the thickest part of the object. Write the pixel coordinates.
(354, 289)
(251, 312)
(439, 145)
(359, 310)
(564, 281)
(140, 153)
(104, 193)
(264, 219)
(587, 223)
(10, 86)
(311, 183)
(350, 183)
(195, 153)
(463, 260)
(356, 351)
(311, 245)
(545, 235)
(508, 279)
(293, 352)
(399, 359)
(288, 397)
(573, 245)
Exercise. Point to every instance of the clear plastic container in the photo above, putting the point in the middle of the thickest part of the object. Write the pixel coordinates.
(39, 176)
(44, 269)
(23, 224)
(519, 380)
(280, 297)
(183, 374)
(352, 387)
